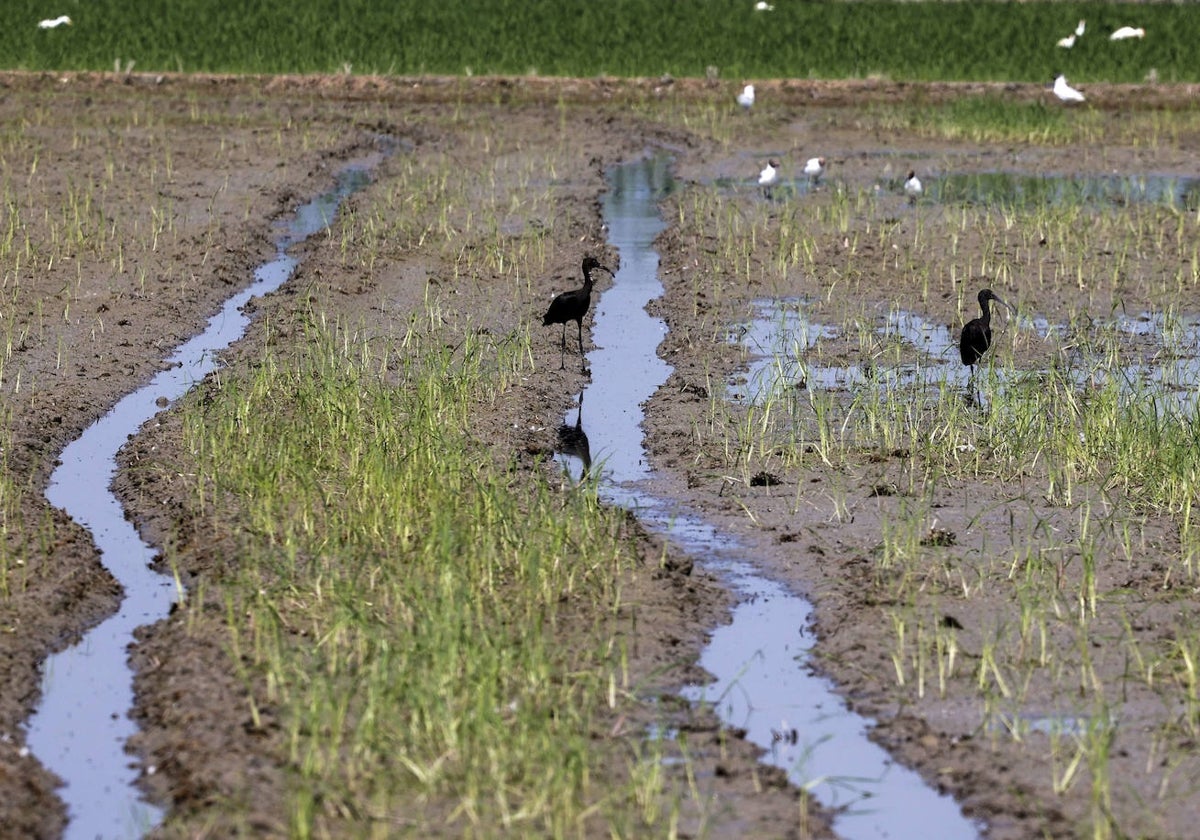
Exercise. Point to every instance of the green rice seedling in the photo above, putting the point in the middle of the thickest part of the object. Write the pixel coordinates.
(989, 674)
(1096, 743)
(1182, 663)
(13, 565)
(991, 119)
(397, 602)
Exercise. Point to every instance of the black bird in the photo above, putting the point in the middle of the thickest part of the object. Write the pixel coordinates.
(572, 306)
(977, 334)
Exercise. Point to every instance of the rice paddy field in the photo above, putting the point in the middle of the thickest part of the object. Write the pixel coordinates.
(394, 614)
(989, 41)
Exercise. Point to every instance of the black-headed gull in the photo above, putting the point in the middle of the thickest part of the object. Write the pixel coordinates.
(912, 187)
(814, 169)
(769, 177)
(1064, 91)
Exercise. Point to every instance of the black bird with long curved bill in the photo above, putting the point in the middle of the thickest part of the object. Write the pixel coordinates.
(572, 306)
(976, 337)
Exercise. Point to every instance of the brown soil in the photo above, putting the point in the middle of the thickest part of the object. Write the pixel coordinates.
(92, 321)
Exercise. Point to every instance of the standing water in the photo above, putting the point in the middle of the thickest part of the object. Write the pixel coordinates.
(80, 729)
(762, 680)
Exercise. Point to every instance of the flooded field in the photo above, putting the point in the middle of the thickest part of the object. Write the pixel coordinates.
(798, 570)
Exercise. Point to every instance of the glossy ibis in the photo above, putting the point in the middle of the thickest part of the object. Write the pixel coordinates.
(976, 337)
(572, 306)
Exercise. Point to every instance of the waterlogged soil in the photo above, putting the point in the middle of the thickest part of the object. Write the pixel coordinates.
(143, 201)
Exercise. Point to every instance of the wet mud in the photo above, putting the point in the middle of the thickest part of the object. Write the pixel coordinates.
(98, 323)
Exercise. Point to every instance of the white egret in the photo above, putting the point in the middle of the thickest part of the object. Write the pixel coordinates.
(769, 177)
(54, 23)
(1064, 91)
(1127, 32)
(912, 187)
(746, 97)
(1069, 41)
(762, 6)
(814, 169)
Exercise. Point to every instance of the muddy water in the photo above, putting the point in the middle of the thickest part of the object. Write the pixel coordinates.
(80, 729)
(762, 681)
(784, 348)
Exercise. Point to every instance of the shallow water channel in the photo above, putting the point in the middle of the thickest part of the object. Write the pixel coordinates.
(762, 681)
(80, 729)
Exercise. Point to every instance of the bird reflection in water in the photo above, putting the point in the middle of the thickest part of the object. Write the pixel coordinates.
(573, 441)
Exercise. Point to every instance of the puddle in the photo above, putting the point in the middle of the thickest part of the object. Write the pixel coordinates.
(992, 189)
(82, 724)
(785, 355)
(1016, 189)
(762, 680)
(1055, 726)
(781, 339)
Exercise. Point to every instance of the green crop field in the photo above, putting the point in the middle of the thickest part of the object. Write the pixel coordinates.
(911, 41)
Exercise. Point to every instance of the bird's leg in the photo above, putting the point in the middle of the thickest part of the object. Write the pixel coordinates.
(564, 337)
(582, 363)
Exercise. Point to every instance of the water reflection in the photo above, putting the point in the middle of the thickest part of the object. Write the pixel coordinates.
(1155, 353)
(1018, 189)
(572, 443)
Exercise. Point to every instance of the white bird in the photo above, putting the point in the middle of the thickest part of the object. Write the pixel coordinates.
(1127, 32)
(1064, 91)
(769, 177)
(746, 97)
(762, 6)
(1069, 41)
(814, 169)
(912, 187)
(54, 23)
